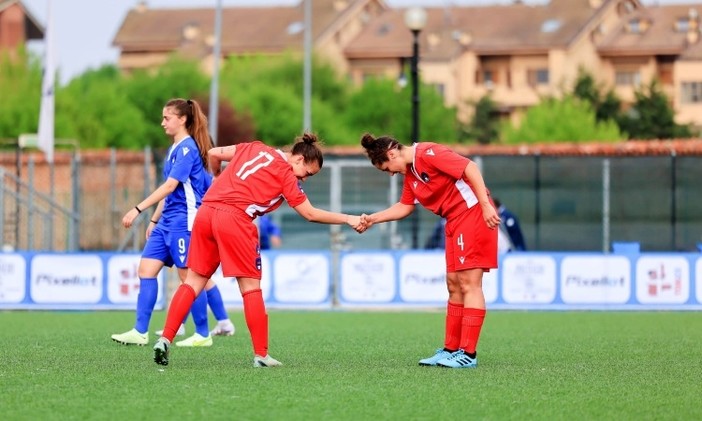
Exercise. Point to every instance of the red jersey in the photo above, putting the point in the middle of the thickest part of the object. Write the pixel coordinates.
(436, 181)
(256, 181)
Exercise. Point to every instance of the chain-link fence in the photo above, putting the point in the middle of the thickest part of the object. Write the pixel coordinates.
(564, 203)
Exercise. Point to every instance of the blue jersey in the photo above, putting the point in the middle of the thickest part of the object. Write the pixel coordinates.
(184, 164)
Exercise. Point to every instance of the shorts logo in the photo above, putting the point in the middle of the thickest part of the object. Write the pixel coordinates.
(461, 259)
(258, 263)
(182, 258)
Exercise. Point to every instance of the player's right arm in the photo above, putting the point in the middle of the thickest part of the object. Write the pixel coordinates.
(217, 155)
(321, 216)
(393, 213)
(159, 194)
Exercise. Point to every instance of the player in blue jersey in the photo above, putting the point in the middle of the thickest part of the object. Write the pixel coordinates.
(168, 235)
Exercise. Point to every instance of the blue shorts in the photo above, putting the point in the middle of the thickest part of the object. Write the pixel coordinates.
(168, 247)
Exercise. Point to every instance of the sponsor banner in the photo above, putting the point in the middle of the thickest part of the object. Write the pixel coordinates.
(595, 279)
(13, 272)
(422, 278)
(62, 279)
(302, 278)
(123, 281)
(293, 279)
(368, 278)
(528, 279)
(287, 280)
(229, 287)
(490, 288)
(662, 280)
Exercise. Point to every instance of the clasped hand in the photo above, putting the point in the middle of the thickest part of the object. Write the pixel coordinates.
(359, 223)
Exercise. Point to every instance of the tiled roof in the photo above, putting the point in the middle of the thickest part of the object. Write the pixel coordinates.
(483, 29)
(658, 34)
(244, 29)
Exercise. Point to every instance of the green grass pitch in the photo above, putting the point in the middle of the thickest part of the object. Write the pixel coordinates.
(354, 365)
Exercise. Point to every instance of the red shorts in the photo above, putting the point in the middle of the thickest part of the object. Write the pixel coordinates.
(227, 236)
(470, 243)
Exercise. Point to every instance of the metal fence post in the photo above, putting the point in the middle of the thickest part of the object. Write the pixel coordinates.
(49, 231)
(673, 201)
(335, 230)
(74, 227)
(537, 201)
(30, 203)
(605, 205)
(2, 205)
(114, 213)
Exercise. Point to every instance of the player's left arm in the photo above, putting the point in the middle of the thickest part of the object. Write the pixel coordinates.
(219, 154)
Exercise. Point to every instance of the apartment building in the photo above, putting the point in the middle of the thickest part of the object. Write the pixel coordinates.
(17, 25)
(519, 53)
(516, 53)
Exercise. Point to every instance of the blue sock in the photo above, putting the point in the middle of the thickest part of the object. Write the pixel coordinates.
(199, 312)
(214, 299)
(146, 300)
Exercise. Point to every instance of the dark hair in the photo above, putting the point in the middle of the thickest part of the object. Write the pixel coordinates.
(195, 123)
(307, 146)
(377, 147)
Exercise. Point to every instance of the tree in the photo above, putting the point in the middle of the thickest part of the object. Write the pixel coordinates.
(96, 110)
(565, 120)
(484, 126)
(651, 116)
(20, 84)
(149, 91)
(232, 126)
(380, 107)
(607, 107)
(270, 90)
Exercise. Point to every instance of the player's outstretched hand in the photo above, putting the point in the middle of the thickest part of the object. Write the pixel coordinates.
(366, 221)
(355, 223)
(129, 217)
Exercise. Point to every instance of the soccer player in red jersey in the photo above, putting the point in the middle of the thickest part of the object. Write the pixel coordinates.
(452, 187)
(255, 182)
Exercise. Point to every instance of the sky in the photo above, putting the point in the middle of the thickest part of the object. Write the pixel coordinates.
(85, 28)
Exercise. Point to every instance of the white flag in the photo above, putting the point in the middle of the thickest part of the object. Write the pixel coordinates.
(46, 114)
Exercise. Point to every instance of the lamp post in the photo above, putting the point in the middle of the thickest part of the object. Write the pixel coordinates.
(415, 19)
(214, 84)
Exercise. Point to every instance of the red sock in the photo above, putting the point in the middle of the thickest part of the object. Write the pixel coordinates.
(256, 320)
(454, 316)
(471, 325)
(180, 306)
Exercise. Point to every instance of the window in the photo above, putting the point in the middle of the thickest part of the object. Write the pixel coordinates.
(627, 77)
(665, 75)
(537, 77)
(682, 24)
(635, 26)
(550, 26)
(691, 93)
(488, 77)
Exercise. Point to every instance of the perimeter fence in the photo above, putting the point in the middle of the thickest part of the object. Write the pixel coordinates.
(565, 201)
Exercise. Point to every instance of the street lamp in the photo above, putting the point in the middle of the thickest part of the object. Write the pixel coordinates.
(415, 19)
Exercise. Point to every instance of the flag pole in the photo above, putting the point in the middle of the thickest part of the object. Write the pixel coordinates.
(46, 114)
